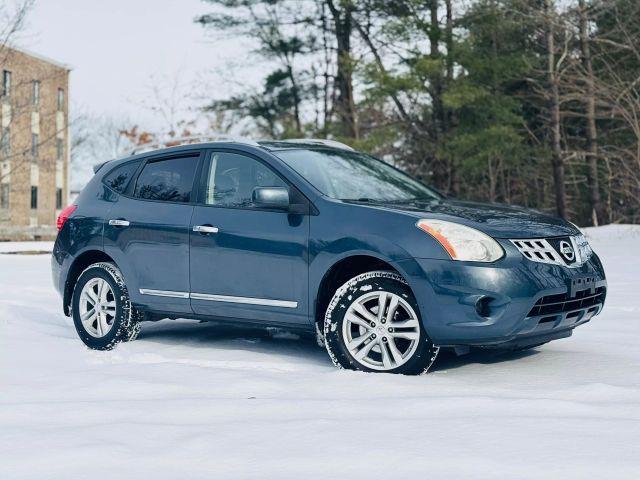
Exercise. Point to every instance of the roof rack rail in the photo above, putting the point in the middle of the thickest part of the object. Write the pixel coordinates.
(320, 141)
(176, 142)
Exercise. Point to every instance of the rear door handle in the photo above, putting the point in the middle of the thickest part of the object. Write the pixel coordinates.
(205, 229)
(119, 223)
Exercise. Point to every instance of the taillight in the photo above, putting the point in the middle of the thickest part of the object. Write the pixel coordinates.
(64, 215)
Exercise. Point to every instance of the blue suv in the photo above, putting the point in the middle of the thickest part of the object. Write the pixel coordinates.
(312, 235)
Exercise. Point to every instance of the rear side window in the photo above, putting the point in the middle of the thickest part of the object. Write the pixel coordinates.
(119, 178)
(168, 180)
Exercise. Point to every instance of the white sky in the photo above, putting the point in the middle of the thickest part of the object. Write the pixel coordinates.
(116, 47)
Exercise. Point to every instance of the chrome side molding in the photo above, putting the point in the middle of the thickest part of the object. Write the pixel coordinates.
(267, 302)
(163, 293)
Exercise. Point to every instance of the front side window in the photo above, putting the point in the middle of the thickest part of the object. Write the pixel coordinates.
(232, 177)
(6, 83)
(36, 93)
(168, 180)
(347, 175)
(118, 179)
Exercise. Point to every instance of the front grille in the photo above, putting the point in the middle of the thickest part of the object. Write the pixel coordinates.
(562, 303)
(565, 251)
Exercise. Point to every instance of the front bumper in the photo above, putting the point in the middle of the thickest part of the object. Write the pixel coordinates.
(511, 303)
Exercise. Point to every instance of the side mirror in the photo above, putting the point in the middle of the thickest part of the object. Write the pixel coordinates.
(271, 197)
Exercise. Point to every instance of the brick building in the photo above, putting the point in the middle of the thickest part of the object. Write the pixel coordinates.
(34, 144)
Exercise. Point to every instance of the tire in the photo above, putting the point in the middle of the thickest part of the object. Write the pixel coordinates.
(365, 341)
(117, 321)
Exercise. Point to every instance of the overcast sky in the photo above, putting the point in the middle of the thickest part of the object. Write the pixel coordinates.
(116, 47)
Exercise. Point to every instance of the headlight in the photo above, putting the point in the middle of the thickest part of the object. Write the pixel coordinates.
(461, 242)
(584, 249)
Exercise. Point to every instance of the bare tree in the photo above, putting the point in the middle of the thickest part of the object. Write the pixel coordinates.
(12, 19)
(555, 56)
(590, 108)
(342, 14)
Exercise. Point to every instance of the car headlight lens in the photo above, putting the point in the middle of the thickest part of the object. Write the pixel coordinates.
(584, 249)
(462, 242)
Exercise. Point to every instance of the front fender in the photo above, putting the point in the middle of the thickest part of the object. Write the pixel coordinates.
(325, 257)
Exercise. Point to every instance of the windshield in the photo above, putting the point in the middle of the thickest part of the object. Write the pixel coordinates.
(355, 176)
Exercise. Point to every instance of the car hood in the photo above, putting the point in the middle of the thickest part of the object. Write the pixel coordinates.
(496, 220)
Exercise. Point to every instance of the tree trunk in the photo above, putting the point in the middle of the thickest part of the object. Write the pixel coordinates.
(449, 116)
(436, 79)
(326, 76)
(342, 19)
(590, 107)
(402, 112)
(557, 161)
(296, 98)
(448, 36)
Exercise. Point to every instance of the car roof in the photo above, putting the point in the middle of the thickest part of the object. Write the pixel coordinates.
(268, 145)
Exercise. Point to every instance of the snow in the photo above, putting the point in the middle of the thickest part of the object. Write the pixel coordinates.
(195, 400)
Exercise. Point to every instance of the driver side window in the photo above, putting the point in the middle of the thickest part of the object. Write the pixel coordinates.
(232, 177)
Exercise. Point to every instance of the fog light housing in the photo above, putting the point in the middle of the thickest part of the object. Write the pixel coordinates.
(483, 306)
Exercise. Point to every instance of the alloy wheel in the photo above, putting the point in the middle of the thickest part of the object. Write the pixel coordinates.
(97, 307)
(381, 330)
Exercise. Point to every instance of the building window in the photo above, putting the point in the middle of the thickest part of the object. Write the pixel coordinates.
(34, 198)
(36, 93)
(35, 140)
(6, 83)
(4, 196)
(58, 198)
(5, 143)
(60, 99)
(59, 149)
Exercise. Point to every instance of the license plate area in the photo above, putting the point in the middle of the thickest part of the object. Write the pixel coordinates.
(580, 283)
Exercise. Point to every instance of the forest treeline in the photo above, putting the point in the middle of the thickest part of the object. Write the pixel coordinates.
(534, 102)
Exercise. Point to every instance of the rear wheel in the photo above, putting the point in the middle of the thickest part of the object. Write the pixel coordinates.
(373, 324)
(102, 312)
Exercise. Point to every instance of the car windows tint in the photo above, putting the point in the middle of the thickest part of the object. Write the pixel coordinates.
(354, 176)
(168, 180)
(119, 178)
(232, 178)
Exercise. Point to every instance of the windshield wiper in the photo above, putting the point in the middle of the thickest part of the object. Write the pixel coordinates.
(389, 201)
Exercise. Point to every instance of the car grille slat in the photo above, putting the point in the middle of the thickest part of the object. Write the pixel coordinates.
(549, 250)
(562, 303)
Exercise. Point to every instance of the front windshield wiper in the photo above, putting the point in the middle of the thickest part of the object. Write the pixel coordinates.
(390, 202)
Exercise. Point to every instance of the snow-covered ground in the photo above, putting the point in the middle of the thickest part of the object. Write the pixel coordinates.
(194, 400)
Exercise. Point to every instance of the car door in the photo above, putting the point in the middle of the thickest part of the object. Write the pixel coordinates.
(147, 232)
(246, 262)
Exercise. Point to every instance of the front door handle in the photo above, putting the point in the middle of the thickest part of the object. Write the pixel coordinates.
(119, 223)
(205, 229)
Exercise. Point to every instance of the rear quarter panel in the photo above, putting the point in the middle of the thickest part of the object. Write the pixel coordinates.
(82, 231)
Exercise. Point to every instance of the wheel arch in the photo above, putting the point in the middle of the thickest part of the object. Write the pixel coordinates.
(80, 263)
(342, 270)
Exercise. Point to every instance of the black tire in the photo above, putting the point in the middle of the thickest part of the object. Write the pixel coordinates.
(125, 325)
(425, 352)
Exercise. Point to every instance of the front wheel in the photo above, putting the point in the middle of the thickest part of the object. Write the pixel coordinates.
(373, 324)
(102, 312)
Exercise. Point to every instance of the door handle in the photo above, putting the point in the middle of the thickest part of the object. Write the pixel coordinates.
(205, 229)
(119, 223)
